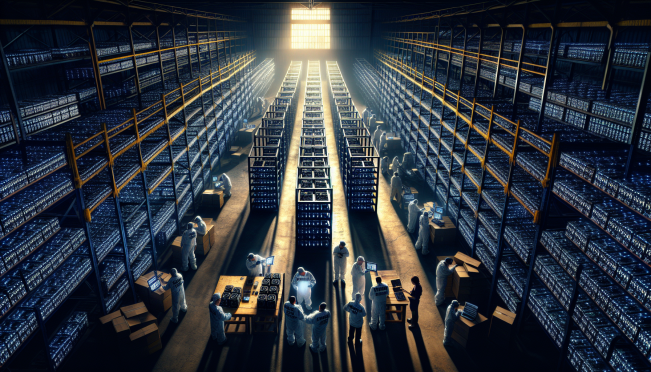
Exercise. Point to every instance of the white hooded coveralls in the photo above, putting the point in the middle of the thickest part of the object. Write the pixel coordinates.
(255, 269)
(217, 318)
(451, 316)
(303, 285)
(294, 319)
(188, 242)
(423, 234)
(227, 184)
(319, 321)
(339, 263)
(201, 226)
(378, 295)
(359, 278)
(413, 215)
(178, 295)
(357, 313)
(442, 272)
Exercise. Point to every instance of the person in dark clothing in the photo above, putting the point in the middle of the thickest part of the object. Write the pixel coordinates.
(414, 301)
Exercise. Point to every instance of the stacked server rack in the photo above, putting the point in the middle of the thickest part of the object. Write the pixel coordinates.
(541, 170)
(359, 159)
(131, 171)
(313, 183)
(268, 155)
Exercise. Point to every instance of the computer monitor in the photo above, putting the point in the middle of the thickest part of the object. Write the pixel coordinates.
(439, 210)
(153, 283)
(438, 216)
(215, 178)
(371, 266)
(269, 260)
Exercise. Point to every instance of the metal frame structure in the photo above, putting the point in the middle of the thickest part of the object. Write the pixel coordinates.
(162, 141)
(455, 85)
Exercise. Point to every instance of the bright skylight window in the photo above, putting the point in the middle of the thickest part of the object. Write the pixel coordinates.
(316, 14)
(311, 36)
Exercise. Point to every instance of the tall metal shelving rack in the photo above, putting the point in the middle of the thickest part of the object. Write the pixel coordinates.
(535, 192)
(360, 162)
(268, 155)
(313, 184)
(138, 154)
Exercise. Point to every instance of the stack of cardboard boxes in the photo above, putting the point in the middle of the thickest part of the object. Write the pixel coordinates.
(133, 329)
(157, 301)
(471, 334)
(469, 284)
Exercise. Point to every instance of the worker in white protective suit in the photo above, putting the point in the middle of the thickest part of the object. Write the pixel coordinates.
(371, 123)
(412, 218)
(365, 115)
(378, 294)
(396, 187)
(395, 164)
(451, 316)
(443, 269)
(339, 258)
(188, 244)
(358, 272)
(319, 320)
(201, 226)
(357, 313)
(255, 264)
(303, 281)
(217, 318)
(423, 234)
(294, 319)
(226, 184)
(178, 294)
(384, 165)
(383, 143)
(376, 137)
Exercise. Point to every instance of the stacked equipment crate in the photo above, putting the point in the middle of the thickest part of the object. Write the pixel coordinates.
(268, 155)
(313, 184)
(358, 157)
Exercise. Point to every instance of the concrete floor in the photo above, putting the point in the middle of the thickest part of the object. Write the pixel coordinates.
(380, 238)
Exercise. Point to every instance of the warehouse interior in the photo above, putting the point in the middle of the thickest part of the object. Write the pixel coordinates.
(512, 137)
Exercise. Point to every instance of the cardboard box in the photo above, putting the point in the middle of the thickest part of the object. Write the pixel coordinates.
(133, 310)
(140, 321)
(212, 232)
(502, 323)
(461, 258)
(212, 200)
(106, 319)
(121, 328)
(146, 340)
(158, 301)
(176, 249)
(203, 241)
(443, 235)
(471, 334)
(161, 300)
(106, 324)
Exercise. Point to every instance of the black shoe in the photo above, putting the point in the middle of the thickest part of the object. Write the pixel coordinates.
(409, 320)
